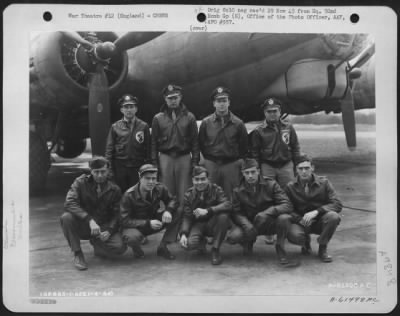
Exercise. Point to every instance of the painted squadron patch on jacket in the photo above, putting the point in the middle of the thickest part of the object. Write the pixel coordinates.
(140, 137)
(286, 137)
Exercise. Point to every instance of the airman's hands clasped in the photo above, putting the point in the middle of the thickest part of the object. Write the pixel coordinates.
(198, 212)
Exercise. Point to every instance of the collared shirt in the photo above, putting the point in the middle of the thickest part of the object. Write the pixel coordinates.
(179, 136)
(84, 202)
(266, 196)
(274, 142)
(129, 142)
(321, 196)
(212, 198)
(223, 141)
(137, 211)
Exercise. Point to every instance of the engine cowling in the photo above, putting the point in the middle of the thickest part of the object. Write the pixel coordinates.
(60, 70)
(311, 80)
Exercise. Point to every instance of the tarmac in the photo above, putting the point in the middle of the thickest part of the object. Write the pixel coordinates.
(353, 248)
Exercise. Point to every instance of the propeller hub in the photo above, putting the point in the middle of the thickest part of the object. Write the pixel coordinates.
(355, 73)
(104, 51)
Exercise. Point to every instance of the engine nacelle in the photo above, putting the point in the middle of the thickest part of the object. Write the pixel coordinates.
(58, 70)
(311, 80)
(364, 88)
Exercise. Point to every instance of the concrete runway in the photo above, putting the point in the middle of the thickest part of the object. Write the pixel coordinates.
(353, 247)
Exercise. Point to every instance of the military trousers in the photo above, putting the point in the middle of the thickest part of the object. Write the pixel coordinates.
(227, 175)
(76, 229)
(134, 236)
(176, 175)
(125, 176)
(283, 175)
(215, 227)
(324, 226)
(246, 230)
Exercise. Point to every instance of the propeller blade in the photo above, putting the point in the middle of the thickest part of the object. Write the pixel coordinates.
(133, 39)
(363, 57)
(77, 38)
(349, 121)
(99, 110)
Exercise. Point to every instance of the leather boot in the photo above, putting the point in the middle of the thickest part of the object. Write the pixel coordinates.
(323, 254)
(306, 249)
(162, 251)
(281, 255)
(248, 248)
(216, 258)
(79, 261)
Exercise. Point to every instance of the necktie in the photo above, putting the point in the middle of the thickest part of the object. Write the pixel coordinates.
(173, 114)
(129, 124)
(306, 189)
(98, 189)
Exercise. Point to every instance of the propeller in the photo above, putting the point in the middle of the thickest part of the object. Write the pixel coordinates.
(349, 121)
(99, 110)
(132, 39)
(347, 104)
(99, 55)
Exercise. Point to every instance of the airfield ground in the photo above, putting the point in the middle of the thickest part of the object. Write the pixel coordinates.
(353, 247)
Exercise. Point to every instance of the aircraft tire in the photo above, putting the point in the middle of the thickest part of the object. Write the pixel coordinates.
(39, 163)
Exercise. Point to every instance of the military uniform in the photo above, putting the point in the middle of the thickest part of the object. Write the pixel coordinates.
(258, 210)
(223, 143)
(214, 224)
(137, 211)
(84, 203)
(275, 146)
(128, 147)
(321, 196)
(174, 146)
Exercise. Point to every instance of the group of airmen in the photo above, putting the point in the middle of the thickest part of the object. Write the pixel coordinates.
(245, 186)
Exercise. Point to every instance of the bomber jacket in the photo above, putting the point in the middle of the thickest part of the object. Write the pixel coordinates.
(179, 137)
(321, 197)
(274, 145)
(223, 142)
(265, 197)
(213, 199)
(136, 211)
(83, 202)
(131, 145)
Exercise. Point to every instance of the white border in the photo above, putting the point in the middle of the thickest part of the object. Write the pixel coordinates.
(21, 19)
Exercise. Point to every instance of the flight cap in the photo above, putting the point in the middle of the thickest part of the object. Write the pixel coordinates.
(220, 92)
(199, 170)
(249, 163)
(172, 90)
(147, 168)
(128, 99)
(271, 103)
(302, 158)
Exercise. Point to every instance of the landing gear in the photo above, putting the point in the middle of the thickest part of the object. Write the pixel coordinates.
(39, 162)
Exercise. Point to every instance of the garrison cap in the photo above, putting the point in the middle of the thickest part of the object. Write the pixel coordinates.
(171, 89)
(302, 158)
(147, 168)
(249, 163)
(271, 103)
(128, 99)
(199, 170)
(98, 162)
(220, 92)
